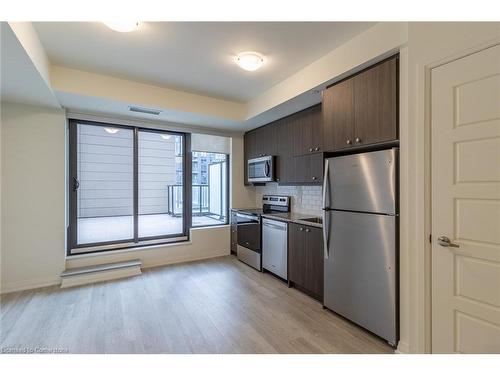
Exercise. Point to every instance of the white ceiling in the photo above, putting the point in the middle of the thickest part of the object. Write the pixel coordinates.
(195, 56)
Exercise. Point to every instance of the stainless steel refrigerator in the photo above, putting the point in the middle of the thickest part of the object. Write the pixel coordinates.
(360, 226)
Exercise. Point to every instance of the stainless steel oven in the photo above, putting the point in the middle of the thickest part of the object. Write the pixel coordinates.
(261, 169)
(249, 249)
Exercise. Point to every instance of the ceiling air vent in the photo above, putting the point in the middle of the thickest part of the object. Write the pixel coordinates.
(148, 111)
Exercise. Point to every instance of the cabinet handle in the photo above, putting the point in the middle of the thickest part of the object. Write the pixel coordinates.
(316, 149)
(314, 178)
(311, 150)
(308, 230)
(348, 142)
(301, 229)
(358, 140)
(277, 179)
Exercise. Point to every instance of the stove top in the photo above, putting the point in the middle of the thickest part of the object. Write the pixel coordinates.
(270, 204)
(251, 211)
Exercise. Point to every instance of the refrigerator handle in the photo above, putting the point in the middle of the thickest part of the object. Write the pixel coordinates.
(326, 226)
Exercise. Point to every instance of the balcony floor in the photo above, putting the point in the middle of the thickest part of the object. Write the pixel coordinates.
(115, 228)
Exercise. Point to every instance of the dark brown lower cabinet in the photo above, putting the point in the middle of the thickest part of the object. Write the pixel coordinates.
(234, 233)
(305, 259)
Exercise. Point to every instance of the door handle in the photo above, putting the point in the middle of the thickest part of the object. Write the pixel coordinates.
(76, 184)
(326, 228)
(445, 242)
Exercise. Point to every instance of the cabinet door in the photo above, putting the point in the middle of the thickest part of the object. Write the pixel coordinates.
(234, 233)
(284, 159)
(264, 141)
(316, 168)
(267, 137)
(308, 169)
(316, 128)
(375, 104)
(338, 116)
(296, 254)
(314, 261)
(301, 134)
(251, 145)
(307, 131)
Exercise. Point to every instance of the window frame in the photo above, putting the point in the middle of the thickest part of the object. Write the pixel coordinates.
(227, 191)
(72, 247)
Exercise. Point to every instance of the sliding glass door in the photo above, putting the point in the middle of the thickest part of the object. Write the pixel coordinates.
(121, 188)
(161, 209)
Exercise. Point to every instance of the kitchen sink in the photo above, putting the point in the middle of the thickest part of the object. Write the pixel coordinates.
(316, 220)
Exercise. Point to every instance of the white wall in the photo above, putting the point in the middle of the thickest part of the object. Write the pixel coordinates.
(241, 196)
(33, 196)
(33, 204)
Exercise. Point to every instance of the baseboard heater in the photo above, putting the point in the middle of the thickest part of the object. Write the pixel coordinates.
(102, 272)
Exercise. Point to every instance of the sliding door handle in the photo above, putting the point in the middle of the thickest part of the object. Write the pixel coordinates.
(76, 184)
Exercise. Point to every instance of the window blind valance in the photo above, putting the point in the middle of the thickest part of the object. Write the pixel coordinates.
(210, 143)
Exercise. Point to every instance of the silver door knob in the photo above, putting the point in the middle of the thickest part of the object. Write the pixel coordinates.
(348, 142)
(358, 140)
(445, 242)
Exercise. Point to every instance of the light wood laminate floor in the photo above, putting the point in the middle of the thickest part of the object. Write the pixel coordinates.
(212, 306)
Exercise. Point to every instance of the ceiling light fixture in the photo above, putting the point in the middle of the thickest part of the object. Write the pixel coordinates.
(111, 130)
(165, 136)
(122, 26)
(249, 60)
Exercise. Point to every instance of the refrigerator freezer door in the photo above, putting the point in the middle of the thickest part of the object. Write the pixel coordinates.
(364, 182)
(360, 273)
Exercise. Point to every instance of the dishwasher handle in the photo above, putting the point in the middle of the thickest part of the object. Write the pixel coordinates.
(274, 226)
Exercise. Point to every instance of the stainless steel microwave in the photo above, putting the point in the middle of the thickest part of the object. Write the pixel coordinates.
(261, 169)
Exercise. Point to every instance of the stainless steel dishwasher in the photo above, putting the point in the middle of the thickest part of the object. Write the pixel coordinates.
(274, 247)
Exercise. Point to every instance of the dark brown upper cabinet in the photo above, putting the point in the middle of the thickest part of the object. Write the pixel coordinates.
(307, 169)
(296, 142)
(284, 158)
(363, 109)
(307, 129)
(265, 141)
(251, 150)
(376, 104)
(338, 115)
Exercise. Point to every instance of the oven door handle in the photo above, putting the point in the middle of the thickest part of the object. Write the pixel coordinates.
(249, 217)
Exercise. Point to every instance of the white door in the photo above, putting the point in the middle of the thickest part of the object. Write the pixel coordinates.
(466, 204)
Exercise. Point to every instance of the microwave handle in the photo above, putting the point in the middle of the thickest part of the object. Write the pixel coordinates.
(268, 169)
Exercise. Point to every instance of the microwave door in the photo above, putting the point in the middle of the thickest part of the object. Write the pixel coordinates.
(260, 169)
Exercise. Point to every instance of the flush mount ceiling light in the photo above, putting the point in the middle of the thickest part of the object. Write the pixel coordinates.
(249, 60)
(111, 130)
(122, 26)
(166, 136)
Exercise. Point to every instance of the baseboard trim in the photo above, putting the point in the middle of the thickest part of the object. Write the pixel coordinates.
(100, 276)
(403, 348)
(19, 286)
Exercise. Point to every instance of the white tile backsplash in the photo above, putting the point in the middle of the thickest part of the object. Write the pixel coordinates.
(305, 199)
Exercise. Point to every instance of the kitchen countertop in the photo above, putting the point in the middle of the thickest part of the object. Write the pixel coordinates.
(293, 217)
(290, 217)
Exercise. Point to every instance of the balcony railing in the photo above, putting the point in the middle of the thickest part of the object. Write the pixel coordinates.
(200, 202)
